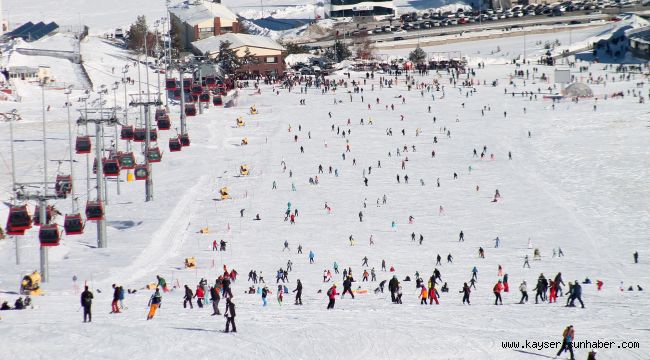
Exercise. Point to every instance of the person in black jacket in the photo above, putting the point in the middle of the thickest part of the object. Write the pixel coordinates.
(230, 315)
(347, 287)
(298, 291)
(86, 302)
(188, 297)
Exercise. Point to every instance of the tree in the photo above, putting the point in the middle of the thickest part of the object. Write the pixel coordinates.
(227, 58)
(338, 52)
(293, 48)
(418, 55)
(248, 58)
(136, 34)
(366, 49)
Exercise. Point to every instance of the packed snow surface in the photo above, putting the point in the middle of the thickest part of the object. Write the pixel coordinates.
(578, 182)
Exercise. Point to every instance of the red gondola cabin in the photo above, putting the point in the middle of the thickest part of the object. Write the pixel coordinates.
(111, 167)
(190, 109)
(49, 235)
(63, 186)
(175, 145)
(73, 224)
(185, 139)
(141, 172)
(94, 210)
(154, 155)
(126, 133)
(127, 160)
(19, 220)
(83, 145)
(217, 100)
(171, 84)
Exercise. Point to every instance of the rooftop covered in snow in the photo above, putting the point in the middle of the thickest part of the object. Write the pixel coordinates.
(194, 14)
(236, 40)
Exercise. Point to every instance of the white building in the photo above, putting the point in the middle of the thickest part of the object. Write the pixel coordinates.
(350, 8)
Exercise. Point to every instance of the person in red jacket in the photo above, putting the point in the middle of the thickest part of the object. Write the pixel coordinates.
(433, 295)
(497, 293)
(552, 297)
(199, 295)
(331, 293)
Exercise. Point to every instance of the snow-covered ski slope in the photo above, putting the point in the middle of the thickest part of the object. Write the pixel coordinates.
(579, 183)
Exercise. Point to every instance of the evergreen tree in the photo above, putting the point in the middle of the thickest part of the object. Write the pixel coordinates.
(338, 52)
(418, 55)
(227, 58)
(136, 34)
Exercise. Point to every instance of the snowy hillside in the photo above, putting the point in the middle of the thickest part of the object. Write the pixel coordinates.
(577, 181)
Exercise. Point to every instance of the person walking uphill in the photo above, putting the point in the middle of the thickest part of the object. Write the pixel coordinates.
(154, 303)
(230, 314)
(567, 341)
(86, 302)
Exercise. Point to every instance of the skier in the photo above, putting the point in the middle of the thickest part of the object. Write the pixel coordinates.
(265, 292)
(524, 292)
(474, 273)
(154, 303)
(636, 257)
(360, 216)
(438, 258)
(188, 297)
(567, 341)
(526, 262)
(311, 257)
(383, 265)
(298, 291)
(466, 291)
(449, 258)
(86, 303)
(365, 261)
(331, 294)
(433, 295)
(229, 314)
(461, 237)
(497, 242)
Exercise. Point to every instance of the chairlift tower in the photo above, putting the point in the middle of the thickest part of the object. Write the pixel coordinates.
(99, 117)
(143, 100)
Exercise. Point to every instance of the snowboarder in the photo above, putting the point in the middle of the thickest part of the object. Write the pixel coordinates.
(154, 303)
